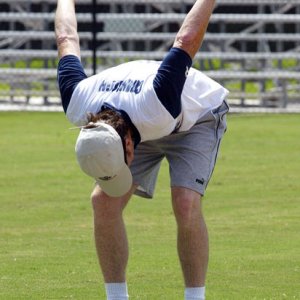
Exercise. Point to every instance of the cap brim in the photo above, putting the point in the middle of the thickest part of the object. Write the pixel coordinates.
(119, 185)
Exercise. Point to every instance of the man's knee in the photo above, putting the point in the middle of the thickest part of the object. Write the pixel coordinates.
(186, 206)
(106, 207)
(97, 197)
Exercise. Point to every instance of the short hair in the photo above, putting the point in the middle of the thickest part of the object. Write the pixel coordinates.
(114, 119)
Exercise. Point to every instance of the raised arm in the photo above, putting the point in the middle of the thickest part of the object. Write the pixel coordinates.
(191, 34)
(67, 38)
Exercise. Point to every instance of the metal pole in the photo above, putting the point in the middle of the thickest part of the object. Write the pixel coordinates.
(94, 31)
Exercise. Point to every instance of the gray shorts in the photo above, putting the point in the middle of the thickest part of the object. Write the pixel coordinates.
(191, 155)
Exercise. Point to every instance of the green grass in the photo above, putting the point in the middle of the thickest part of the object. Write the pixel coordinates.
(251, 206)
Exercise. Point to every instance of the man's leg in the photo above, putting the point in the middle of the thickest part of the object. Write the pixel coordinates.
(111, 241)
(192, 240)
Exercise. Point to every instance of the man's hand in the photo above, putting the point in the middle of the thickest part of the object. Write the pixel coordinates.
(67, 38)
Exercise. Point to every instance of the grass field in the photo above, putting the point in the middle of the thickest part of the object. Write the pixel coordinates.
(251, 206)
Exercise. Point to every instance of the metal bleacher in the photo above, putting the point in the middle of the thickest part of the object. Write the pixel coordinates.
(251, 46)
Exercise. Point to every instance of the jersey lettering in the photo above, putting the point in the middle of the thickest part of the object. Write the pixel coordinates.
(128, 86)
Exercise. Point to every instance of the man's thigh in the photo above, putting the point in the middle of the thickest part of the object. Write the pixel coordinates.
(192, 154)
(145, 168)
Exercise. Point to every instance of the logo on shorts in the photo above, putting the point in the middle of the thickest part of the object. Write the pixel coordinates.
(200, 181)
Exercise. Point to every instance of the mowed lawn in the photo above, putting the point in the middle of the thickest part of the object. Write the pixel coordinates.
(252, 209)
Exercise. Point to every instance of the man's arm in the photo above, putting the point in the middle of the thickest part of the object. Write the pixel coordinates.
(171, 76)
(70, 71)
(67, 38)
(191, 34)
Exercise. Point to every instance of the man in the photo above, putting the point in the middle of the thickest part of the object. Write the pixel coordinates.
(132, 116)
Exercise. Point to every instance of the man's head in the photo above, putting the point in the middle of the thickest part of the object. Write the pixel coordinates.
(104, 150)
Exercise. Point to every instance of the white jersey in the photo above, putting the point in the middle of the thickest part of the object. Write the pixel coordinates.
(129, 87)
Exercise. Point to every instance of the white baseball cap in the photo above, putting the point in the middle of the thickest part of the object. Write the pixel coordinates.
(100, 154)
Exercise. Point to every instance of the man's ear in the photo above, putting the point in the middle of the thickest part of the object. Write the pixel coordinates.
(129, 144)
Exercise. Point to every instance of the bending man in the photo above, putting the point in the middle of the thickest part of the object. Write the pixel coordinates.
(132, 116)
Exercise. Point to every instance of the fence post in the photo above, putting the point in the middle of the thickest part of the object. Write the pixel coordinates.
(94, 31)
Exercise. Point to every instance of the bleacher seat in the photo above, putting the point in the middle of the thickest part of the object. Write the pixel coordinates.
(252, 46)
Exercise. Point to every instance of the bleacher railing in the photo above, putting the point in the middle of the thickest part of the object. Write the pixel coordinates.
(251, 47)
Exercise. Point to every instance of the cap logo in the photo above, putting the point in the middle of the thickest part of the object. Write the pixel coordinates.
(107, 178)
